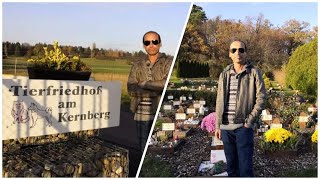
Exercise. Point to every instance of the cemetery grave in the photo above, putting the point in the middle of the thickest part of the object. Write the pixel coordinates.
(200, 155)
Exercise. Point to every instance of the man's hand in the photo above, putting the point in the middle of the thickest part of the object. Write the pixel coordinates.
(217, 133)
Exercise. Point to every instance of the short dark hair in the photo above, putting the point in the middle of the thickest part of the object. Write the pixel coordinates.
(153, 33)
(245, 46)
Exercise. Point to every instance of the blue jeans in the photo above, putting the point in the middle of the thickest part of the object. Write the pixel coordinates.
(143, 130)
(238, 148)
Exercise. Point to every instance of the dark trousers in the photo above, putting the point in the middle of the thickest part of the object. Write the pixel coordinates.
(143, 130)
(238, 148)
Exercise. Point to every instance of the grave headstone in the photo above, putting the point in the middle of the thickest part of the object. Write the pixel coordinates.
(167, 126)
(191, 111)
(276, 123)
(303, 119)
(217, 155)
(167, 107)
(202, 102)
(176, 103)
(180, 116)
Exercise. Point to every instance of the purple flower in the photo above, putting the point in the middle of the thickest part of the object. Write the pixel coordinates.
(208, 123)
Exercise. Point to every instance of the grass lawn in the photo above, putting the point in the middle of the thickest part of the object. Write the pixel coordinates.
(98, 66)
(196, 81)
(154, 167)
(309, 172)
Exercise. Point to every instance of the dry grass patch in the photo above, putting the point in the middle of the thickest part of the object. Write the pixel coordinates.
(279, 76)
(113, 77)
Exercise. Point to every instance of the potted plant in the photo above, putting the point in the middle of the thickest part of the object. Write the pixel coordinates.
(279, 142)
(314, 139)
(56, 65)
(208, 123)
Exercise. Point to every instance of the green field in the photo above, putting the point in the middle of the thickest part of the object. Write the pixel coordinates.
(102, 70)
(97, 66)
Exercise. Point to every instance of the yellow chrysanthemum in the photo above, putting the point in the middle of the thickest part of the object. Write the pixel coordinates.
(277, 135)
(314, 137)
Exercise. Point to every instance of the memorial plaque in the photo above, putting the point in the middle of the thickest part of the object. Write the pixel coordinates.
(167, 126)
(167, 107)
(217, 155)
(181, 116)
(266, 117)
(202, 102)
(196, 105)
(183, 98)
(191, 111)
(303, 118)
(217, 141)
(176, 103)
(312, 109)
(273, 126)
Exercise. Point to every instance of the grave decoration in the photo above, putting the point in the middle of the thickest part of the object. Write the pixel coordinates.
(191, 123)
(164, 141)
(206, 168)
(216, 166)
(183, 98)
(266, 117)
(303, 120)
(314, 137)
(170, 97)
(278, 141)
(276, 123)
(314, 140)
(214, 144)
(208, 123)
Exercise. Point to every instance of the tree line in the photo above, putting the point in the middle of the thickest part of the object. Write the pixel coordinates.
(269, 46)
(26, 50)
(192, 69)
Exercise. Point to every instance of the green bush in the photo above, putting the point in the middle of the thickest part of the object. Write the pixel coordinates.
(154, 167)
(301, 71)
(266, 80)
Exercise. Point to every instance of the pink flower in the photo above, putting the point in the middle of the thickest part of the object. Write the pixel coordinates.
(209, 122)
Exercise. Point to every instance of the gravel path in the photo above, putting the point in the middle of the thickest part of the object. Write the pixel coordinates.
(185, 161)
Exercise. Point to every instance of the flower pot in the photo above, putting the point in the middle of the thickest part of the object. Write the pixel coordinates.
(35, 73)
(281, 154)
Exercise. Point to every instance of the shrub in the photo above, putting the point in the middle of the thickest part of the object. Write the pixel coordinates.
(154, 167)
(266, 80)
(301, 71)
(285, 106)
(56, 60)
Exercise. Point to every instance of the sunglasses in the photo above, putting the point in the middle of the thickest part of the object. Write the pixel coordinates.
(154, 42)
(233, 50)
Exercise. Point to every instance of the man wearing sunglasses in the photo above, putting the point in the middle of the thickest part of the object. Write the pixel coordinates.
(240, 99)
(145, 84)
